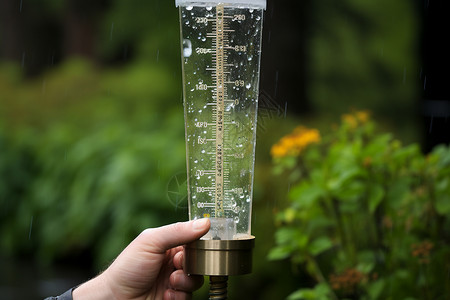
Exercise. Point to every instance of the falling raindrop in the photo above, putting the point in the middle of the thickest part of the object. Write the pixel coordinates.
(31, 227)
(23, 59)
(111, 31)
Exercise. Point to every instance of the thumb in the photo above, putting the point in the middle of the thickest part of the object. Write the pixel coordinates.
(167, 237)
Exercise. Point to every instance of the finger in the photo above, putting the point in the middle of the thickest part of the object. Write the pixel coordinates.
(167, 237)
(178, 260)
(177, 295)
(181, 282)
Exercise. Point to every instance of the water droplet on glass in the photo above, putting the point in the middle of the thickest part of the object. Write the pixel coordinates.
(248, 86)
(208, 7)
(196, 161)
(187, 48)
(236, 219)
(189, 7)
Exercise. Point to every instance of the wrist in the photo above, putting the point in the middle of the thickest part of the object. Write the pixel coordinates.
(94, 289)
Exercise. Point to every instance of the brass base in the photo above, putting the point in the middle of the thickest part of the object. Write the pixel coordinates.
(219, 257)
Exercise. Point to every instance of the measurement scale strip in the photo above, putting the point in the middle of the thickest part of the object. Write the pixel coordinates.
(220, 108)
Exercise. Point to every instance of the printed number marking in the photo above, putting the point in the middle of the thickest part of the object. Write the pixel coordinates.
(238, 18)
(203, 50)
(201, 124)
(240, 48)
(201, 87)
(202, 20)
(240, 83)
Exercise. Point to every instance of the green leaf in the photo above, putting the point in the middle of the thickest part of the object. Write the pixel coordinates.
(319, 292)
(279, 253)
(366, 261)
(376, 288)
(320, 245)
(397, 191)
(376, 194)
(443, 204)
(303, 294)
(305, 194)
(343, 176)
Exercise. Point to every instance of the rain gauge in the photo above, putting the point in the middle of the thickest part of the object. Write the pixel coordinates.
(221, 50)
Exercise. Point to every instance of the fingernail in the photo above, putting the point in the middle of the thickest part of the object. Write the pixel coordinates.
(200, 224)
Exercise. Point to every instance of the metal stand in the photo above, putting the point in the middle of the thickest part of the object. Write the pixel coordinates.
(219, 259)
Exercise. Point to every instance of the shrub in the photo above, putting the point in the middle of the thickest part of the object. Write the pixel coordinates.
(86, 157)
(368, 217)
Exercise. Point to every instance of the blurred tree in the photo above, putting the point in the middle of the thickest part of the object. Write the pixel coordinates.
(284, 74)
(29, 34)
(435, 72)
(81, 21)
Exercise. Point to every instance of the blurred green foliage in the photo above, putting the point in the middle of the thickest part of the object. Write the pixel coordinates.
(368, 217)
(88, 160)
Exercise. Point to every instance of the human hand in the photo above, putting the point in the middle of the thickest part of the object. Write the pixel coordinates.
(150, 267)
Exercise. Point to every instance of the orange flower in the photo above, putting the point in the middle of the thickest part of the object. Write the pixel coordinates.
(295, 142)
(347, 281)
(422, 251)
(363, 116)
(356, 118)
(350, 120)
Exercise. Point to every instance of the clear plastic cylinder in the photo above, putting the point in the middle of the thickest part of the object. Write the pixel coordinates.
(221, 49)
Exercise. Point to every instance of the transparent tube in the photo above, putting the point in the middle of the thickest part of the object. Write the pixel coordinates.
(221, 48)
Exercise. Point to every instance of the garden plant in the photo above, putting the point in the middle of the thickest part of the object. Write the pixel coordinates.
(368, 217)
